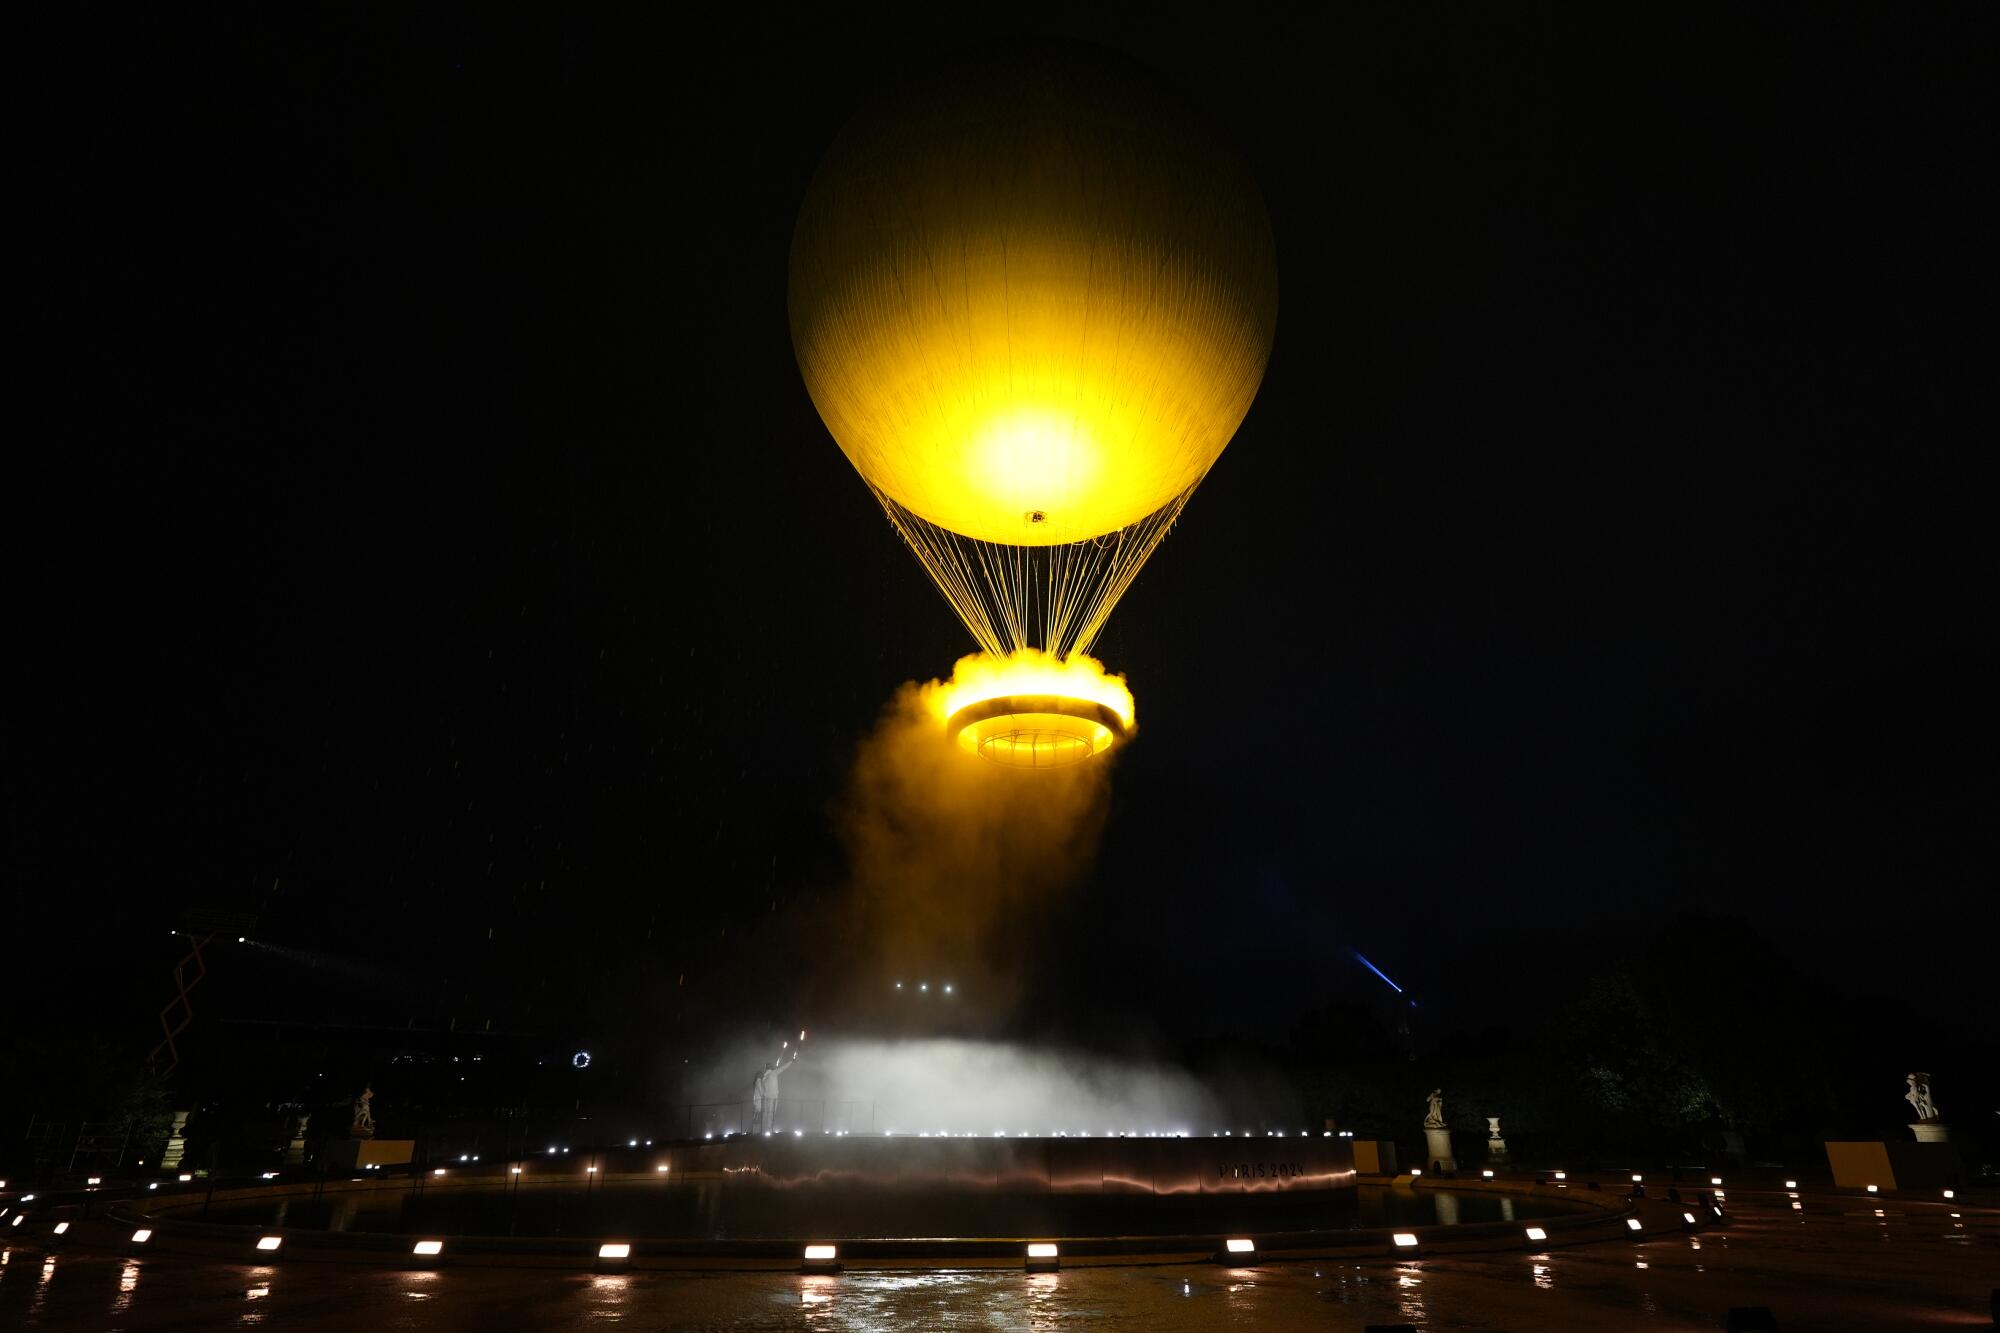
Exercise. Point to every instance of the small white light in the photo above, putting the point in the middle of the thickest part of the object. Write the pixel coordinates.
(1536, 1233)
(1405, 1240)
(1486, 1175)
(821, 1254)
(590, 1170)
(1871, 1189)
(1713, 1209)
(142, 1235)
(20, 1218)
(1715, 1180)
(632, 1143)
(152, 1184)
(1562, 1175)
(94, 1180)
(185, 1179)
(61, 1227)
(1240, 1245)
(661, 1170)
(440, 1171)
(1417, 1171)
(239, 939)
(1636, 1177)
(26, 1198)
(428, 1247)
(1949, 1194)
(617, 1249)
(1688, 1218)
(1632, 1222)
(1041, 1249)
(270, 1242)
(513, 1170)
(270, 1175)
(1798, 1207)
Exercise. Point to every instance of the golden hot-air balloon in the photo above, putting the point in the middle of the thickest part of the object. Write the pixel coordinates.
(1032, 296)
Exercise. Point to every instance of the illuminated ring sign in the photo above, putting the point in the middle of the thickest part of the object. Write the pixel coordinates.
(1036, 731)
(581, 1060)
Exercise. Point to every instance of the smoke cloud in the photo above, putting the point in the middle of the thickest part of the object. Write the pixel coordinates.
(947, 1085)
(953, 859)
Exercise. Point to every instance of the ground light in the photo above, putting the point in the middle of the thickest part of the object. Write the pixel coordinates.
(1042, 1257)
(269, 1243)
(1633, 1223)
(1404, 1242)
(142, 1235)
(1240, 1245)
(428, 1247)
(821, 1259)
(61, 1227)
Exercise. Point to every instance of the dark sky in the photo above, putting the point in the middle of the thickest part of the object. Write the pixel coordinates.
(440, 527)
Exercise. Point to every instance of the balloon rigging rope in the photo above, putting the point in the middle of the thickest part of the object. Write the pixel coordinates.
(1004, 593)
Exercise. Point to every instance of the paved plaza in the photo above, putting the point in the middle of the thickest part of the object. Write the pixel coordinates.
(1838, 1264)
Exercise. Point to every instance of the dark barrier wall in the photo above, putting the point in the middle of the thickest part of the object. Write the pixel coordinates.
(1032, 1166)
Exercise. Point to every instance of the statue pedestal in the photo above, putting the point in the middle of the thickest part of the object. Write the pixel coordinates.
(1496, 1150)
(1437, 1150)
(1931, 1131)
(352, 1154)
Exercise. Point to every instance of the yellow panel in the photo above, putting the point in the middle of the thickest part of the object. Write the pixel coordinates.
(1367, 1157)
(1857, 1165)
(1033, 298)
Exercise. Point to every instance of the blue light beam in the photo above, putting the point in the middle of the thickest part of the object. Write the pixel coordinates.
(1377, 971)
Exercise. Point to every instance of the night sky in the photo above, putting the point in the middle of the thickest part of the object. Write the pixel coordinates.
(438, 526)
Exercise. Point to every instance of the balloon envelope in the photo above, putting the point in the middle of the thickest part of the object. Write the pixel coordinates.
(1032, 296)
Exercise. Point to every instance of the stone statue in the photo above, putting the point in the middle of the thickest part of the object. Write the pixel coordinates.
(364, 1118)
(1435, 1120)
(1493, 1127)
(1919, 1096)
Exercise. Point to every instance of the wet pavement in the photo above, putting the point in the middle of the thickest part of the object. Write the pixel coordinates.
(1834, 1265)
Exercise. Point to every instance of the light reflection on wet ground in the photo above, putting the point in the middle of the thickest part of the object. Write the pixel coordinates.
(1829, 1270)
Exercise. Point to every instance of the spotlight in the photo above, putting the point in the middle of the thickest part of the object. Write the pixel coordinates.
(440, 1171)
(1688, 1218)
(614, 1250)
(1872, 1189)
(142, 1235)
(20, 1218)
(821, 1259)
(1636, 1177)
(185, 1178)
(1416, 1171)
(1949, 1194)
(1404, 1242)
(269, 1243)
(1791, 1184)
(1562, 1175)
(1715, 1180)
(513, 1170)
(661, 1170)
(1240, 1245)
(94, 1180)
(61, 1227)
(152, 1184)
(1486, 1175)
(428, 1247)
(1798, 1207)
(1042, 1257)
(1536, 1234)
(1633, 1223)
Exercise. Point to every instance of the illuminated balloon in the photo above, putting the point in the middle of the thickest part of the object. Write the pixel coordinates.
(1032, 297)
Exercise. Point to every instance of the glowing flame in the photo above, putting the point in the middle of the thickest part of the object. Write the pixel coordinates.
(1029, 671)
